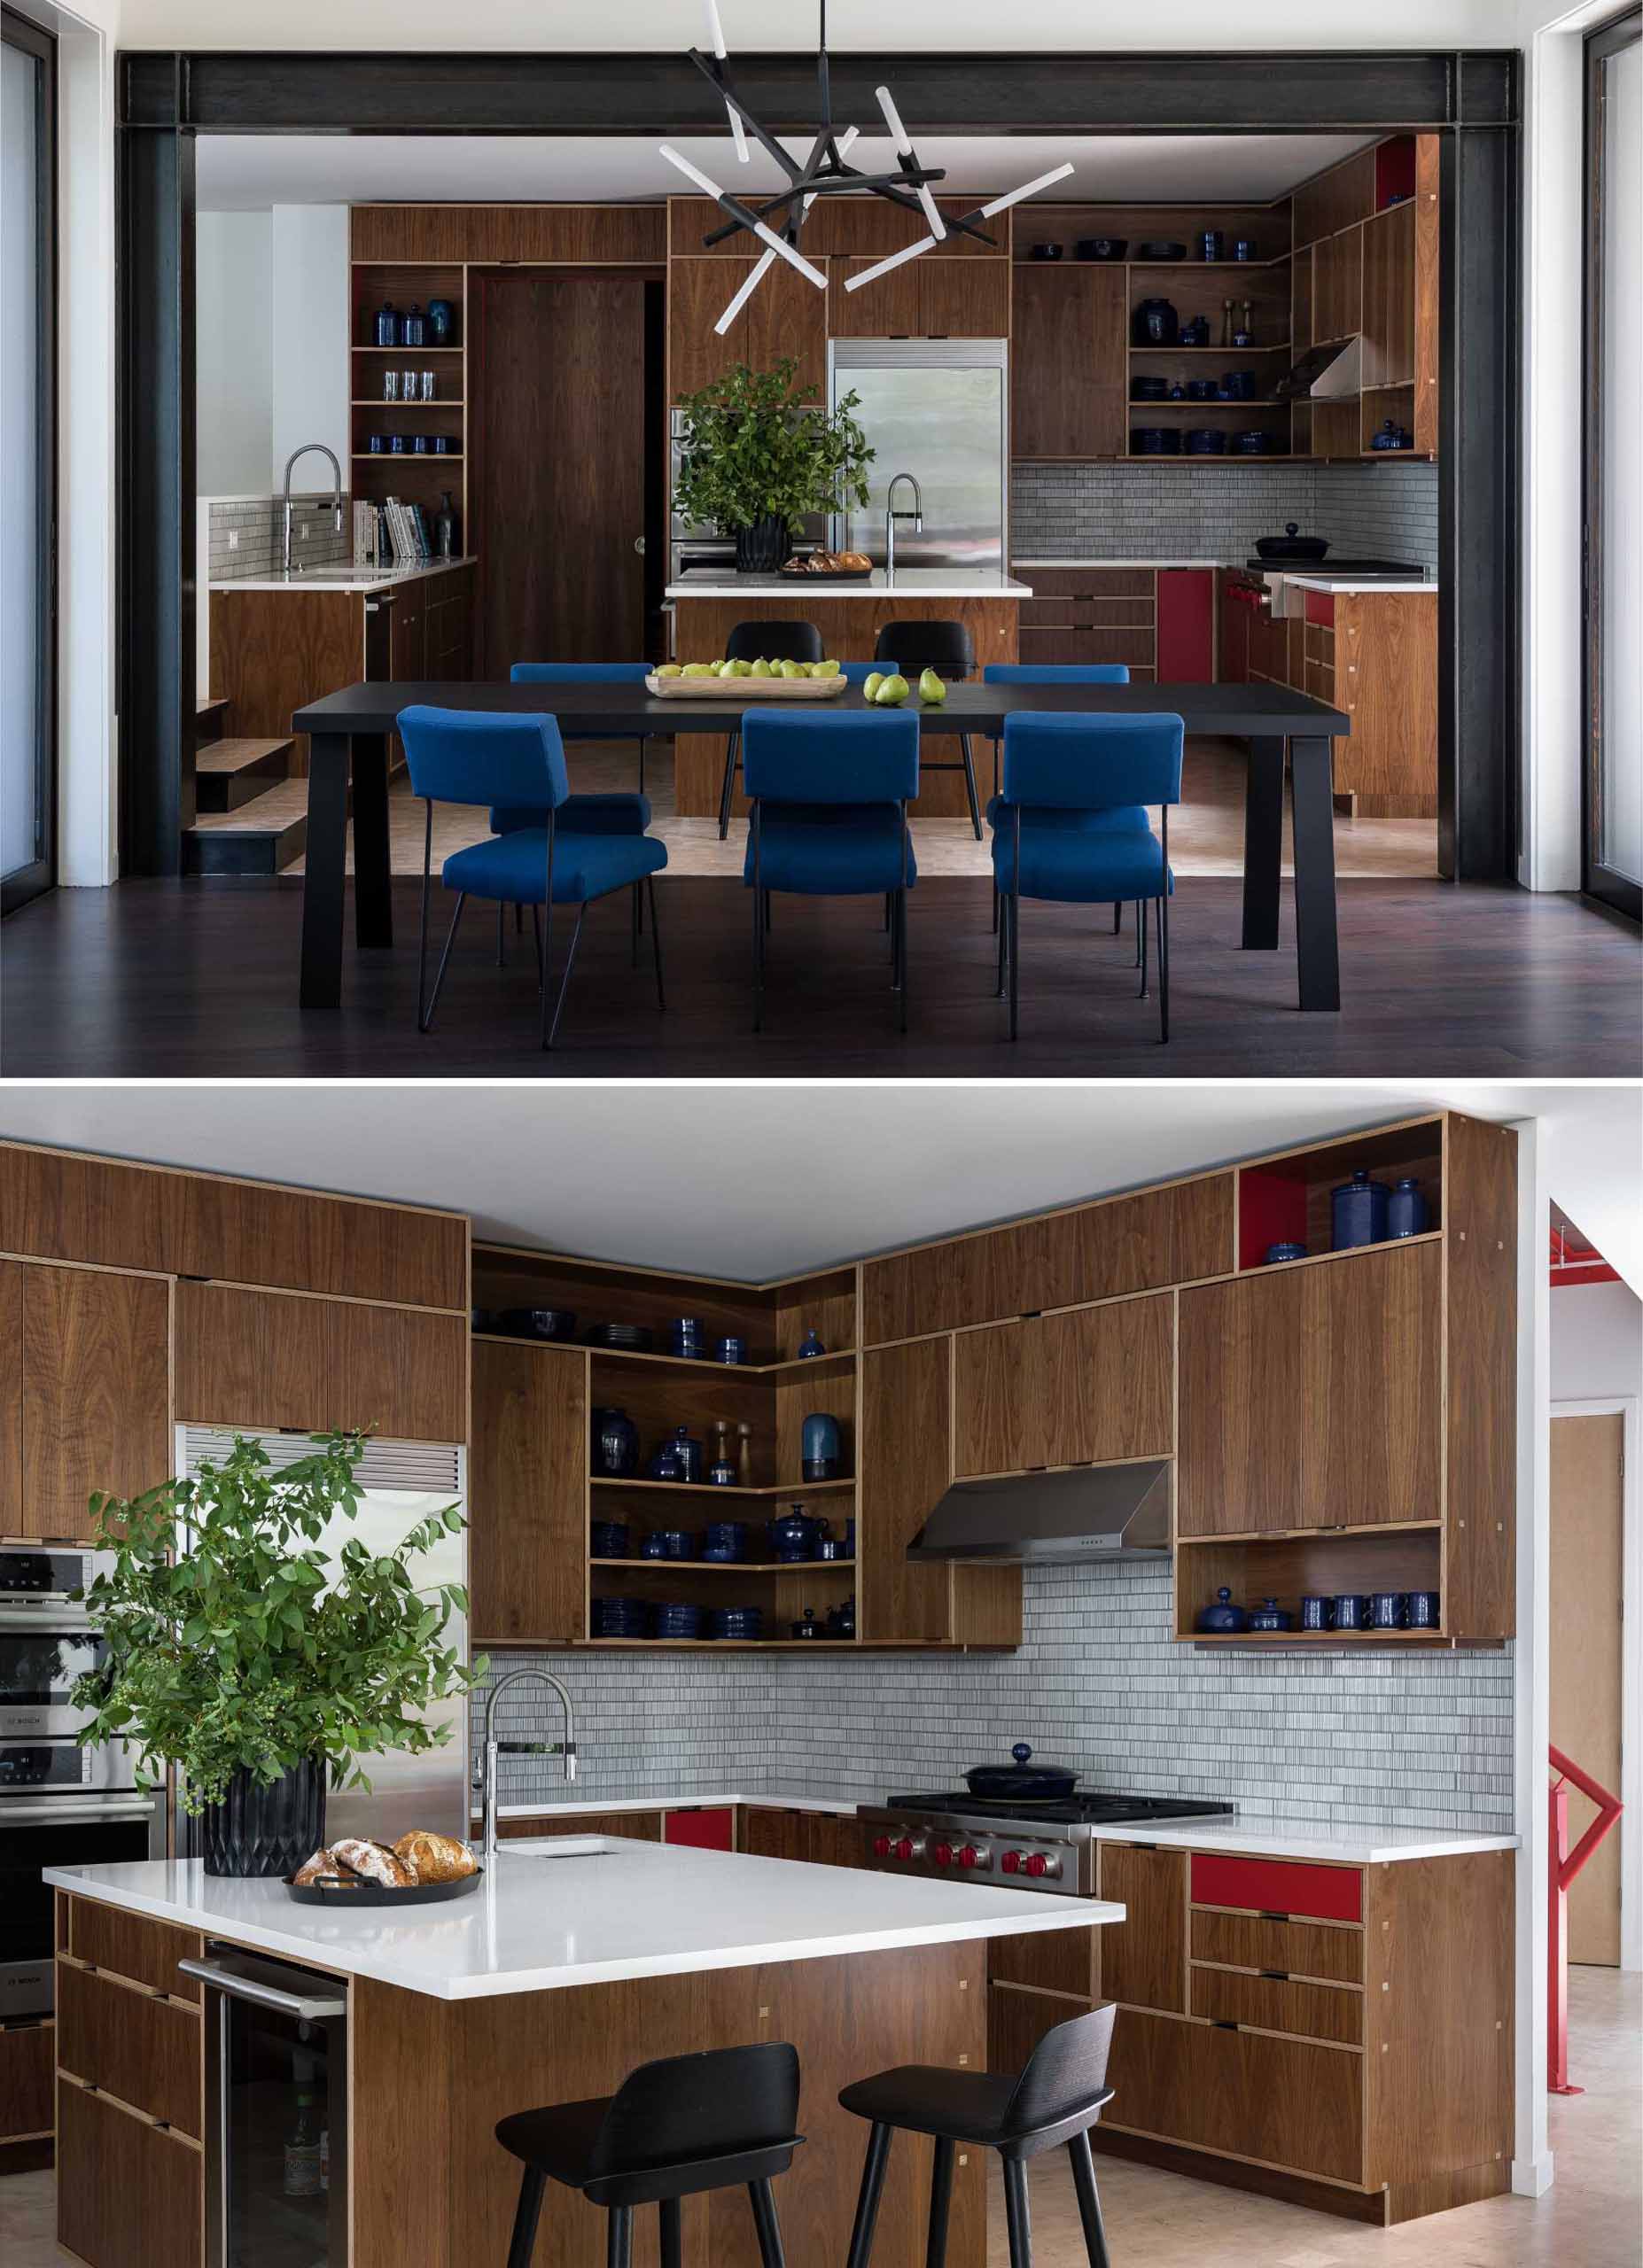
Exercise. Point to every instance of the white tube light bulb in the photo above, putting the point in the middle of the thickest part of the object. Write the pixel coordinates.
(904, 149)
(692, 173)
(896, 260)
(1028, 188)
(767, 236)
(716, 41)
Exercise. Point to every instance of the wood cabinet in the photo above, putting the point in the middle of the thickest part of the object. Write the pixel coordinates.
(94, 1395)
(1294, 2105)
(121, 2038)
(275, 1359)
(785, 316)
(129, 2192)
(1070, 361)
(888, 307)
(931, 298)
(11, 1496)
(1312, 1397)
(527, 1527)
(637, 1826)
(819, 1837)
(26, 2062)
(1187, 625)
(1080, 615)
(1088, 1388)
(1143, 1958)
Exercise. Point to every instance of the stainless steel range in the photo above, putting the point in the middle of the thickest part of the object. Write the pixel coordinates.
(1040, 1843)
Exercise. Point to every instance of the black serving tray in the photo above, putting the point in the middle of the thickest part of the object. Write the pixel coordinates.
(833, 575)
(347, 1889)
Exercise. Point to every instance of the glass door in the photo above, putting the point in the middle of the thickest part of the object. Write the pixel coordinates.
(1613, 783)
(28, 462)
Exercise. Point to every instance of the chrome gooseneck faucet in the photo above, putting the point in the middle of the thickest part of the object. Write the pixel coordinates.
(891, 516)
(494, 1748)
(336, 491)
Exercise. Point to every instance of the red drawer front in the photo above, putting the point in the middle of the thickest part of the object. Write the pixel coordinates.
(702, 1830)
(1278, 1886)
(1321, 608)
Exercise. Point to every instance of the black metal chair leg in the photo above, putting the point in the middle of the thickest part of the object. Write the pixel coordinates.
(565, 982)
(1117, 917)
(768, 895)
(727, 785)
(969, 785)
(1000, 924)
(672, 2248)
(1163, 967)
(759, 959)
(764, 2221)
(656, 941)
(1016, 2214)
(643, 739)
(887, 898)
(519, 920)
(867, 2202)
(422, 932)
(1141, 915)
(1089, 2202)
(523, 2242)
(1138, 932)
(536, 932)
(1013, 915)
(901, 933)
(618, 2240)
(425, 1016)
(940, 2203)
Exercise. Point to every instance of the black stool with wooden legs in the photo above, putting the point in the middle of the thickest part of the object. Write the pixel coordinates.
(1056, 2099)
(672, 2129)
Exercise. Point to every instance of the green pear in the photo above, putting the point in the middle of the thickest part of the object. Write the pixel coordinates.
(738, 669)
(892, 692)
(717, 669)
(932, 688)
(870, 685)
(667, 668)
(792, 669)
(824, 669)
(696, 669)
(762, 668)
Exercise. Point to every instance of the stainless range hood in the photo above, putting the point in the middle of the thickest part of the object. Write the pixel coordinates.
(1081, 1512)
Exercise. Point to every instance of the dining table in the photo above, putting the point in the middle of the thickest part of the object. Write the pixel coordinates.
(1289, 735)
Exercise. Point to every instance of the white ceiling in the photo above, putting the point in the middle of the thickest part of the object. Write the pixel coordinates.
(759, 1181)
(238, 173)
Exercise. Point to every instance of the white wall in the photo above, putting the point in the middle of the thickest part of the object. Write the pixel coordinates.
(1597, 1344)
(310, 359)
(233, 327)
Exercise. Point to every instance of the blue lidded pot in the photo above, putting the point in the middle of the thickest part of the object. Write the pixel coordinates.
(1358, 1211)
(793, 1534)
(616, 1443)
(1421, 1609)
(1223, 1617)
(1269, 1616)
(1405, 1209)
(819, 1447)
(1316, 1613)
(1351, 1611)
(1386, 1610)
(414, 330)
(688, 1335)
(1212, 245)
(810, 1345)
(691, 1455)
(1277, 1252)
(388, 330)
(667, 1463)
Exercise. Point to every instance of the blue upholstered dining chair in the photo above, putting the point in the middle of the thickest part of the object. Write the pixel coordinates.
(1059, 772)
(586, 673)
(828, 816)
(517, 763)
(1068, 673)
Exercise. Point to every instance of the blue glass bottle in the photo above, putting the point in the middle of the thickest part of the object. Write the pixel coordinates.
(414, 332)
(388, 330)
(1405, 1209)
(1358, 1212)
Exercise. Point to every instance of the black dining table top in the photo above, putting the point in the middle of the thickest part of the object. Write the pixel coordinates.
(1260, 712)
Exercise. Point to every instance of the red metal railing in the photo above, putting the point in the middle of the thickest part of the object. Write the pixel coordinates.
(1566, 1864)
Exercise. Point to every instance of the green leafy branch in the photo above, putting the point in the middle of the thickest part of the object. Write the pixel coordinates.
(756, 444)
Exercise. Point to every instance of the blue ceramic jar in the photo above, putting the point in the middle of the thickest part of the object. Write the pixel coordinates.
(730, 1350)
(616, 1443)
(414, 330)
(793, 1535)
(1269, 1616)
(819, 1447)
(1222, 1618)
(809, 1346)
(1358, 1211)
(1405, 1209)
(388, 330)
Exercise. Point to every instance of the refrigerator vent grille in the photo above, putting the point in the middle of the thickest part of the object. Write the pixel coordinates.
(434, 1468)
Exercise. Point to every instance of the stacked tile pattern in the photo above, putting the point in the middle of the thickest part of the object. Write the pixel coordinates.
(260, 523)
(1382, 1739)
(1184, 510)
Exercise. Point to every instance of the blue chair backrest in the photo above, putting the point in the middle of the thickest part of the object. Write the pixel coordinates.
(858, 672)
(464, 756)
(866, 756)
(1092, 763)
(1056, 673)
(579, 673)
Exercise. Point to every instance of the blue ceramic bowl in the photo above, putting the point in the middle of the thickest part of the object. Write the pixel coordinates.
(1277, 1252)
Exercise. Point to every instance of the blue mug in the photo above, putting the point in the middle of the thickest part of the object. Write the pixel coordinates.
(1315, 1613)
(730, 1350)
(1244, 249)
(1386, 1610)
(1422, 1609)
(396, 445)
(1352, 1610)
(442, 445)
(378, 444)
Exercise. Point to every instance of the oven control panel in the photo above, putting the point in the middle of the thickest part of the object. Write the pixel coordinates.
(1010, 1860)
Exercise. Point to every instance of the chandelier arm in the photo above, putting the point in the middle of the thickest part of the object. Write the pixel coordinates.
(722, 87)
(716, 36)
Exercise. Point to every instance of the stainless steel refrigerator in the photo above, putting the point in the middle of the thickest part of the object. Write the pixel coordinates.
(939, 410)
(403, 1481)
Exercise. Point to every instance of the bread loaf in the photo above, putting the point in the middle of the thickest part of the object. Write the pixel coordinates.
(310, 1870)
(434, 1857)
(375, 1861)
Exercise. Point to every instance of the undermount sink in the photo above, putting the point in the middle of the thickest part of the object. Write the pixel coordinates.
(561, 1847)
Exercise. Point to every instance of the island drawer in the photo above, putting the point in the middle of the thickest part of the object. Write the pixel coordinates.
(130, 1945)
(1334, 2012)
(1320, 1950)
(1278, 1886)
(136, 2197)
(637, 1826)
(124, 2040)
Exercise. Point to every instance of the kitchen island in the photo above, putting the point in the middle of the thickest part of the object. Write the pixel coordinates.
(576, 1960)
(707, 604)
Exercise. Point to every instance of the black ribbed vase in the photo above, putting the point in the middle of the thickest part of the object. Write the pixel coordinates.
(761, 547)
(262, 1829)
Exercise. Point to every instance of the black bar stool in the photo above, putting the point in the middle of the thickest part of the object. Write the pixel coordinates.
(948, 648)
(1057, 2099)
(771, 641)
(672, 2129)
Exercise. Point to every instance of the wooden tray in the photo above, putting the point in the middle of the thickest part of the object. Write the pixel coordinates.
(747, 688)
(339, 1889)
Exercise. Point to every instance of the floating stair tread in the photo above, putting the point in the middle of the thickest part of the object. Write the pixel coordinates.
(209, 707)
(278, 808)
(239, 755)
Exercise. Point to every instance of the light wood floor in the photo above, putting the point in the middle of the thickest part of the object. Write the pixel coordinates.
(1206, 833)
(1588, 2219)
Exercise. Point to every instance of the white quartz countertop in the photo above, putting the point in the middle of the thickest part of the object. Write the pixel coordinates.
(339, 579)
(910, 583)
(574, 1910)
(1344, 585)
(1152, 560)
(811, 1796)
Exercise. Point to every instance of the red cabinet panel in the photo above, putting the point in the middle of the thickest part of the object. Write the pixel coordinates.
(1278, 1886)
(1185, 625)
(1321, 608)
(708, 1829)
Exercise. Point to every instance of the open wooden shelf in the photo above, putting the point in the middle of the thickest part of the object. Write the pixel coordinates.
(720, 1493)
(1279, 346)
(1286, 1199)
(725, 1566)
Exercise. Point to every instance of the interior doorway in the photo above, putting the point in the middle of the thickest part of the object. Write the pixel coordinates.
(1587, 1611)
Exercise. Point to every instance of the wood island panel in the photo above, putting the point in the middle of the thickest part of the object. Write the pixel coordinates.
(11, 1496)
(1386, 670)
(132, 1945)
(637, 1826)
(26, 2075)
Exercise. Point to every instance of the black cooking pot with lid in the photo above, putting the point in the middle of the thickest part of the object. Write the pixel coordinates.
(1021, 1782)
(1291, 544)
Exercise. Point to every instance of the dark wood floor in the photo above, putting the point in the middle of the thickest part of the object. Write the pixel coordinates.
(198, 979)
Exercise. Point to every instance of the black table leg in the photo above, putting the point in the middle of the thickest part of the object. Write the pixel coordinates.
(320, 985)
(373, 899)
(1263, 844)
(1317, 945)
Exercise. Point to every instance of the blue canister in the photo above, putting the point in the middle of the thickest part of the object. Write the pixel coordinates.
(1358, 1211)
(688, 1336)
(1316, 1611)
(1421, 1609)
(1277, 1252)
(692, 1457)
(616, 1443)
(396, 445)
(419, 444)
(442, 446)
(730, 1350)
(667, 1464)
(1351, 1611)
(793, 1536)
(1223, 1619)
(1244, 249)
(809, 1346)
(1211, 245)
(721, 1474)
(1405, 1209)
(388, 330)
(819, 1447)
(1269, 1616)
(1386, 1610)
(414, 330)
(441, 322)
(378, 445)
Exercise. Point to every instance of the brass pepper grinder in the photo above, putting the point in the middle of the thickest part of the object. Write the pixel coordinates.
(744, 1455)
(1248, 332)
(723, 1466)
(1226, 323)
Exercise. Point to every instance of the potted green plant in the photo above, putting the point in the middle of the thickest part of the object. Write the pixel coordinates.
(758, 455)
(261, 1664)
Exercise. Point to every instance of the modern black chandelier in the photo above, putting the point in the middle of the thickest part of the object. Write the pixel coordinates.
(776, 221)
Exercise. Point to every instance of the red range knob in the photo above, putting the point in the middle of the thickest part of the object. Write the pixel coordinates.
(942, 1854)
(1037, 1864)
(1011, 1862)
(904, 1849)
(970, 1856)
(881, 1846)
